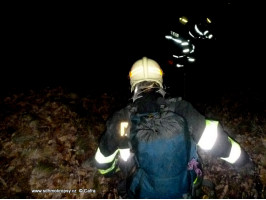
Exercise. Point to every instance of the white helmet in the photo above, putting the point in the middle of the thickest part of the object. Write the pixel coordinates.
(145, 69)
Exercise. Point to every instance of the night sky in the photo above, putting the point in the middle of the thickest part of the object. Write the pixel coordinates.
(94, 46)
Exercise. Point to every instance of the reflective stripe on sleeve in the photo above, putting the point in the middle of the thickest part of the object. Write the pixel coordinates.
(100, 158)
(124, 153)
(209, 136)
(234, 153)
(105, 171)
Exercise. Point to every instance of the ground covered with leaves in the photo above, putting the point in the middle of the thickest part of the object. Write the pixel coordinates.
(48, 139)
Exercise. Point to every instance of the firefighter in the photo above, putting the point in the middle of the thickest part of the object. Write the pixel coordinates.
(146, 80)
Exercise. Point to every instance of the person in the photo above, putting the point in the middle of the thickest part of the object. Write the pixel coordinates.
(153, 173)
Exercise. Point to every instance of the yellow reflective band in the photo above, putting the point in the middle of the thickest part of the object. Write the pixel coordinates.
(125, 153)
(209, 135)
(100, 158)
(135, 71)
(183, 20)
(156, 71)
(195, 181)
(234, 153)
(105, 171)
(123, 127)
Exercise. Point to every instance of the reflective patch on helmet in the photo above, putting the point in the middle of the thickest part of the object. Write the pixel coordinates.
(209, 135)
(156, 71)
(135, 71)
(234, 153)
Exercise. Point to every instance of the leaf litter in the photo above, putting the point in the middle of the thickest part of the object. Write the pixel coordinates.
(48, 139)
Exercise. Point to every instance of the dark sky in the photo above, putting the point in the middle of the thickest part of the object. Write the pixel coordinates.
(93, 45)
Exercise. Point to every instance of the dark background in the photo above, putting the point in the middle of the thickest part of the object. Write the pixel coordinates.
(92, 47)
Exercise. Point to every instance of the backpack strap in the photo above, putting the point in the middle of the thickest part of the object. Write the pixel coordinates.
(131, 112)
(171, 104)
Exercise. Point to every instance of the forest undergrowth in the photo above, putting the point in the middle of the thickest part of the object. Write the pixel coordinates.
(48, 139)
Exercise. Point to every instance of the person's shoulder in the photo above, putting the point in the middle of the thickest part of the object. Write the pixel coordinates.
(178, 101)
(173, 99)
(121, 112)
(115, 117)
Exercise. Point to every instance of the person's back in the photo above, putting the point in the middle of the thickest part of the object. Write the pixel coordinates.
(161, 135)
(162, 145)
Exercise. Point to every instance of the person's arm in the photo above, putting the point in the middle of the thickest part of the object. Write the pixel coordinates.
(112, 143)
(210, 136)
(215, 140)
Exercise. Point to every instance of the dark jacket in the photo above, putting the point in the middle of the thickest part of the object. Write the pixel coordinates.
(207, 134)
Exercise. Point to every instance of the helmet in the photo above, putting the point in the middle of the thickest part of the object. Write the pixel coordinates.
(145, 69)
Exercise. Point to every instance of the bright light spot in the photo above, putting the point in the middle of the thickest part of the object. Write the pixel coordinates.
(174, 34)
(209, 135)
(208, 20)
(210, 36)
(177, 56)
(177, 41)
(178, 65)
(184, 43)
(234, 153)
(123, 126)
(169, 37)
(197, 30)
(136, 89)
(191, 34)
(100, 158)
(191, 59)
(205, 32)
(183, 20)
(185, 50)
(124, 153)
(193, 48)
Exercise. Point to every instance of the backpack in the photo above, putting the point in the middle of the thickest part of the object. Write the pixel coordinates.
(163, 148)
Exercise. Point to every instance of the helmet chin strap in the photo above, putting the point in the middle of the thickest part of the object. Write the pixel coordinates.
(161, 91)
